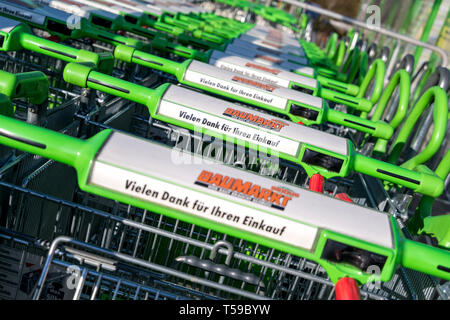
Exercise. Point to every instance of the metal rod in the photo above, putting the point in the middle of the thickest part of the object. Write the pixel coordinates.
(340, 17)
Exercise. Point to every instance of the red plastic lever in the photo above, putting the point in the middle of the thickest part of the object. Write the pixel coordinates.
(344, 196)
(316, 183)
(347, 289)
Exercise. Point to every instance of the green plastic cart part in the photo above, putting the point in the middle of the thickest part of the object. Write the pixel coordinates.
(423, 222)
(82, 29)
(82, 156)
(31, 85)
(19, 37)
(159, 41)
(440, 119)
(375, 75)
(342, 166)
(401, 80)
(438, 227)
(297, 111)
(332, 46)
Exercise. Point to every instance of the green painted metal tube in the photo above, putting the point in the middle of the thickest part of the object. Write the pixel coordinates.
(424, 258)
(402, 81)
(440, 118)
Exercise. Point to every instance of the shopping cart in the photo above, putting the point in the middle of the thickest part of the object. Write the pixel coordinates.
(102, 232)
(124, 229)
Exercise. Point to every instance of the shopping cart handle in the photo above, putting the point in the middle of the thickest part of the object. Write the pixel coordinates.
(425, 258)
(402, 81)
(163, 45)
(421, 182)
(375, 74)
(438, 97)
(31, 85)
(19, 36)
(360, 104)
(377, 129)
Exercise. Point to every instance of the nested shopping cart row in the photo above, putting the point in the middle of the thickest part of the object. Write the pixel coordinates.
(133, 117)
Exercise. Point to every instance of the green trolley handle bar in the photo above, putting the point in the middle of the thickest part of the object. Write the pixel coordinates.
(57, 25)
(416, 223)
(346, 239)
(401, 80)
(298, 106)
(166, 22)
(131, 21)
(316, 151)
(15, 36)
(440, 120)
(31, 85)
(100, 18)
(94, 28)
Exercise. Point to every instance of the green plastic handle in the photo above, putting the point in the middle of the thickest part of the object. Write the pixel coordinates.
(87, 30)
(350, 89)
(375, 75)
(131, 55)
(31, 85)
(21, 38)
(422, 182)
(161, 26)
(43, 142)
(377, 129)
(426, 259)
(331, 48)
(161, 44)
(426, 203)
(360, 104)
(402, 81)
(200, 43)
(440, 119)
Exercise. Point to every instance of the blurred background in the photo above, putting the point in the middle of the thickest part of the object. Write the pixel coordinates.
(425, 20)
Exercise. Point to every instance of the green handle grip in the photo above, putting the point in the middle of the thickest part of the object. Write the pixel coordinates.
(132, 55)
(360, 104)
(83, 76)
(31, 85)
(86, 30)
(6, 107)
(178, 23)
(182, 51)
(208, 37)
(43, 142)
(21, 38)
(375, 74)
(427, 184)
(440, 119)
(424, 258)
(346, 88)
(200, 43)
(378, 129)
(401, 79)
(330, 49)
(161, 26)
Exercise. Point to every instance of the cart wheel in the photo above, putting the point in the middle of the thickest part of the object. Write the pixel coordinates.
(347, 289)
